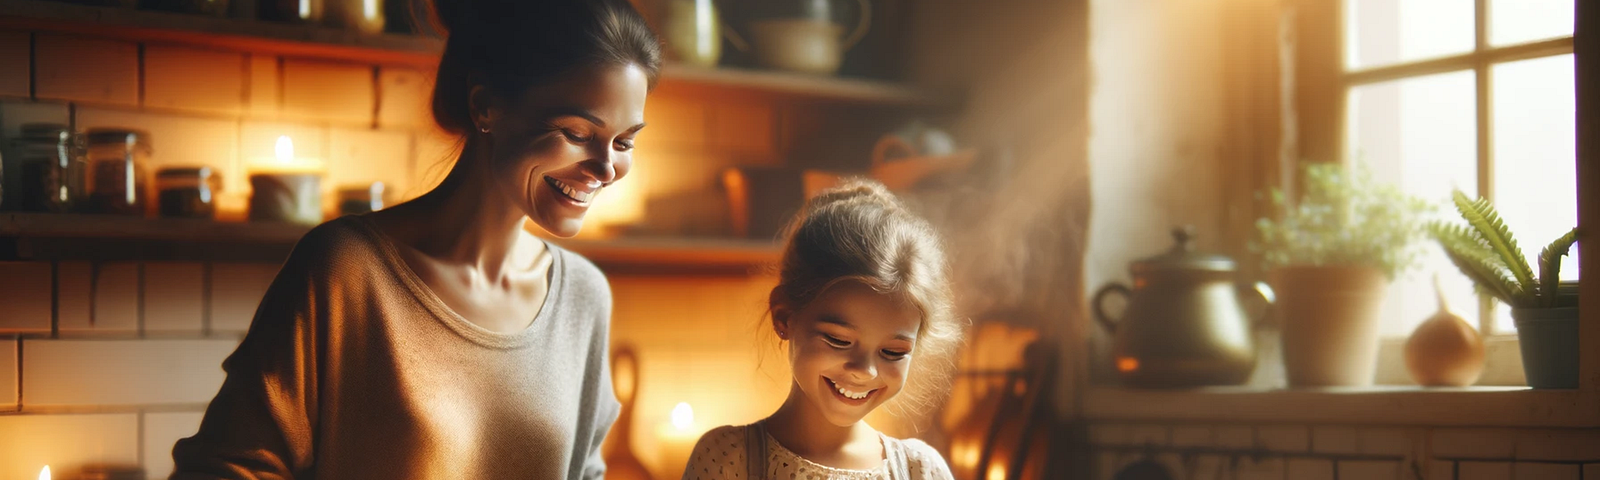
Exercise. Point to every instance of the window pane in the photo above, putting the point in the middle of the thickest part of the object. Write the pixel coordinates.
(1519, 21)
(1535, 156)
(1383, 32)
(1420, 133)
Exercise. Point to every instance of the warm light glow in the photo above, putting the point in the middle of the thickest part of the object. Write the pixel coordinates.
(1127, 364)
(284, 149)
(369, 8)
(965, 454)
(45, 473)
(682, 416)
(305, 9)
(996, 472)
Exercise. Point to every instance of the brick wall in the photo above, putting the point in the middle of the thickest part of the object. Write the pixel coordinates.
(111, 364)
(1334, 451)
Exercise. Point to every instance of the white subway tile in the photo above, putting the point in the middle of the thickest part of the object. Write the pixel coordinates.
(1483, 471)
(25, 293)
(1209, 467)
(15, 114)
(116, 298)
(122, 372)
(1333, 439)
(73, 301)
(236, 291)
(86, 69)
(1108, 434)
(1560, 445)
(173, 296)
(177, 140)
(1284, 438)
(1259, 469)
(8, 374)
(360, 157)
(675, 123)
(16, 52)
(1235, 436)
(1193, 436)
(193, 79)
(161, 431)
(1544, 471)
(744, 127)
(1440, 470)
(333, 92)
(1369, 469)
(66, 443)
(1309, 469)
(1391, 440)
(265, 94)
(405, 98)
(1148, 435)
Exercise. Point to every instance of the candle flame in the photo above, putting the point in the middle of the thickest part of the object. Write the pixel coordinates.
(45, 473)
(284, 149)
(682, 416)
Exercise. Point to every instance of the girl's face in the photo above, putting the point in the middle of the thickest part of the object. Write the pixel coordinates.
(850, 350)
(559, 145)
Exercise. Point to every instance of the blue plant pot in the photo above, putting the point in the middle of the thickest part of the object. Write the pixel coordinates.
(1549, 340)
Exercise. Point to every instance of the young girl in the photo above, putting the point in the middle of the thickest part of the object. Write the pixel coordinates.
(864, 306)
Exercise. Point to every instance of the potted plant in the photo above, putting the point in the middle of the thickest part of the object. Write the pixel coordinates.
(1330, 255)
(1546, 311)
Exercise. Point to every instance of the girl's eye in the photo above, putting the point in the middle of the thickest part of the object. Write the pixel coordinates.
(624, 145)
(834, 341)
(895, 355)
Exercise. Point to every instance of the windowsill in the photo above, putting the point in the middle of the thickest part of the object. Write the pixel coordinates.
(1378, 405)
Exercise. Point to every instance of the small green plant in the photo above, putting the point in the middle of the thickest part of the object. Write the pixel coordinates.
(1486, 252)
(1343, 218)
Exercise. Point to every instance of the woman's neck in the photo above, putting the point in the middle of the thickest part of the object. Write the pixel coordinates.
(801, 427)
(468, 220)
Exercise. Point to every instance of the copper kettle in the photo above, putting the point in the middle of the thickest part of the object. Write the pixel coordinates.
(1185, 324)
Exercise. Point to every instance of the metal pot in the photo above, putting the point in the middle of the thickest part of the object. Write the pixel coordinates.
(1184, 324)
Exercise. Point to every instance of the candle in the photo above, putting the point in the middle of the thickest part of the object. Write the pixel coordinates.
(677, 440)
(286, 188)
(45, 473)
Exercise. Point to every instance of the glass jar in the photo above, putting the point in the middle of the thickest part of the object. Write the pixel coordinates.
(47, 171)
(187, 192)
(359, 200)
(117, 157)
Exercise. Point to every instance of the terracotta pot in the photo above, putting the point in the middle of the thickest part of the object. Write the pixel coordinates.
(1330, 323)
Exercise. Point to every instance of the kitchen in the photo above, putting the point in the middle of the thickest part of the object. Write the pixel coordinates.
(1053, 143)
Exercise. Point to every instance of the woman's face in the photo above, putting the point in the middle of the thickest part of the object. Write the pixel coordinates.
(850, 350)
(556, 147)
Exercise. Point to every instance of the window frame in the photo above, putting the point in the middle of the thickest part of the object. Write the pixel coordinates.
(1480, 61)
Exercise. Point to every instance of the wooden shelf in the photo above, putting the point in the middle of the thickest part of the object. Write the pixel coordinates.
(1376, 405)
(42, 236)
(329, 43)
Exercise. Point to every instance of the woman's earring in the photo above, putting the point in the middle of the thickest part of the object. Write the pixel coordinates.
(484, 129)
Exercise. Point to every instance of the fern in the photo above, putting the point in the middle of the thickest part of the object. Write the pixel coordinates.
(1485, 252)
(1550, 267)
(1482, 216)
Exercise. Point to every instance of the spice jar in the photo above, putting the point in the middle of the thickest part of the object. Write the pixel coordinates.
(117, 157)
(187, 192)
(359, 200)
(47, 168)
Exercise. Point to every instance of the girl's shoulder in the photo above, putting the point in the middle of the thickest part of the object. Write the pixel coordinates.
(922, 460)
(720, 454)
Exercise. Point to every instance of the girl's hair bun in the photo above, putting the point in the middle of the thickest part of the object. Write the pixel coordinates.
(852, 191)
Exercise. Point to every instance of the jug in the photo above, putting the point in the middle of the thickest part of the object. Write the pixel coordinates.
(800, 35)
(1184, 324)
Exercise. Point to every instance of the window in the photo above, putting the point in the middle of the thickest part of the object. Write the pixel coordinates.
(1469, 94)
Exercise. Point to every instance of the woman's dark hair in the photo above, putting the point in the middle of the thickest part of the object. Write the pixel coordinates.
(510, 45)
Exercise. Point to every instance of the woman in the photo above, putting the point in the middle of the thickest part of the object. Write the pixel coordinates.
(438, 339)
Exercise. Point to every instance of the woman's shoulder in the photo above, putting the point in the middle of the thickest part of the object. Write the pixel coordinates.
(580, 272)
(923, 461)
(344, 242)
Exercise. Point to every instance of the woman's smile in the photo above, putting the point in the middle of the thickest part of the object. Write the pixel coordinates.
(575, 193)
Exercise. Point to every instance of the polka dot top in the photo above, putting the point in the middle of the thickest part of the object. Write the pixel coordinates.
(721, 454)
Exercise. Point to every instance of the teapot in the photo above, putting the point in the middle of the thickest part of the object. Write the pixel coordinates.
(1185, 324)
(800, 35)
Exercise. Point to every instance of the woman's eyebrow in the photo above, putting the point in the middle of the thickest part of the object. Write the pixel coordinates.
(575, 112)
